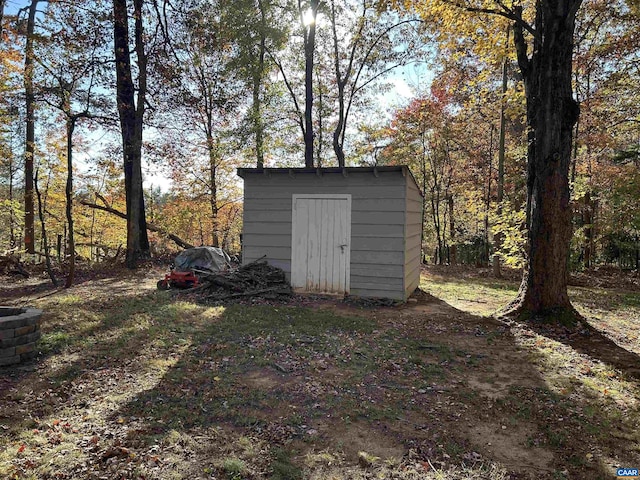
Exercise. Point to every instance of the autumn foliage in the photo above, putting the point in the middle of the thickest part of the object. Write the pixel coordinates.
(224, 89)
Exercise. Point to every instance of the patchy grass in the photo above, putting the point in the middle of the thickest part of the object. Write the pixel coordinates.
(614, 311)
(475, 295)
(136, 383)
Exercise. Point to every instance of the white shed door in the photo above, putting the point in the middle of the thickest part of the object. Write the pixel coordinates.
(321, 243)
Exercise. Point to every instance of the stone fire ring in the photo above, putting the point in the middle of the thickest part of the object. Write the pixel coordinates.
(19, 332)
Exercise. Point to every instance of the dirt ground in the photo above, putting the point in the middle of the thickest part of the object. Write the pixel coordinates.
(136, 383)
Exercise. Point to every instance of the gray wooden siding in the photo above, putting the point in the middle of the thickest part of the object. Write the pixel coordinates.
(414, 229)
(378, 209)
(261, 228)
(361, 230)
(377, 244)
(377, 282)
(376, 258)
(256, 252)
(261, 191)
(414, 282)
(378, 293)
(275, 240)
(388, 271)
(412, 238)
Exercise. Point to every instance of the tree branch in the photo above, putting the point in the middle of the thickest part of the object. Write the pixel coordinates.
(150, 226)
(290, 89)
(514, 14)
(574, 10)
(521, 46)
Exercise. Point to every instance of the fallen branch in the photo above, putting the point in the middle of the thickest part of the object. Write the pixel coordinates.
(150, 226)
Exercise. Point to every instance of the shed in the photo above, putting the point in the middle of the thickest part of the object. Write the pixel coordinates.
(354, 230)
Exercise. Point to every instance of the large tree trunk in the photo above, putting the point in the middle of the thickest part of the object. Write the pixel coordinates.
(551, 114)
(30, 100)
(131, 127)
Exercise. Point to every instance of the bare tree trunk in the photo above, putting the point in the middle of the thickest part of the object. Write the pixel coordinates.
(435, 212)
(213, 164)
(589, 206)
(340, 83)
(320, 118)
(258, 124)
(594, 228)
(43, 233)
(29, 230)
(452, 234)
(94, 252)
(309, 50)
(501, 154)
(71, 124)
(488, 201)
(551, 115)
(12, 232)
(576, 145)
(424, 195)
(587, 220)
(2, 4)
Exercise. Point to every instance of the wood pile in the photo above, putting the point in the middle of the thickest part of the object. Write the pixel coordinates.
(10, 265)
(256, 280)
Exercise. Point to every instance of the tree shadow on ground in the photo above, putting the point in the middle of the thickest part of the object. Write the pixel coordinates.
(594, 343)
(180, 387)
(17, 292)
(424, 372)
(31, 289)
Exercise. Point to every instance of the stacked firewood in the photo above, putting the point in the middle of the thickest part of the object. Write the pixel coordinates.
(255, 279)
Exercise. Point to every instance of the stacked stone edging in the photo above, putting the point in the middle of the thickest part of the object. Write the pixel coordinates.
(19, 332)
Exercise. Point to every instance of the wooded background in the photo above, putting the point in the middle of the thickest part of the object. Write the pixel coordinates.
(97, 94)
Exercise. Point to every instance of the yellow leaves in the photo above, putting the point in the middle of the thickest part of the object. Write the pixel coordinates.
(466, 29)
(510, 224)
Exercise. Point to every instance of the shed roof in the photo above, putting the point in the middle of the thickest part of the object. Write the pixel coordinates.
(345, 171)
